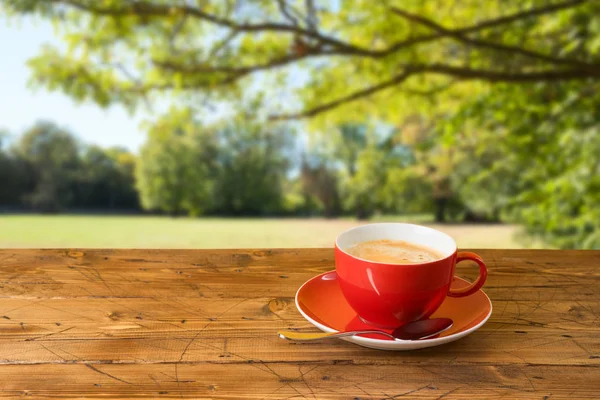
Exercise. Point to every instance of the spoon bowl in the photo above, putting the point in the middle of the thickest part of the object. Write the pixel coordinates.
(422, 329)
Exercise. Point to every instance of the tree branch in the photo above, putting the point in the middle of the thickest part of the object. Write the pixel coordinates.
(430, 92)
(442, 32)
(284, 11)
(492, 23)
(208, 69)
(223, 43)
(173, 35)
(136, 81)
(500, 76)
(159, 10)
(311, 15)
(339, 47)
(533, 12)
(145, 89)
(347, 99)
(492, 45)
(448, 70)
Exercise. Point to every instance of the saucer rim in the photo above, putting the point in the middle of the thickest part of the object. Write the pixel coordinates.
(360, 340)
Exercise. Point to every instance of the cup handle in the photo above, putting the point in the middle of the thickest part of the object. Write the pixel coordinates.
(475, 286)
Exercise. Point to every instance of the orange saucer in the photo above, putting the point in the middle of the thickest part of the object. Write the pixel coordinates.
(321, 302)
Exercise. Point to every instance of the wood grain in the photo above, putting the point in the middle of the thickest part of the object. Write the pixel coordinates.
(201, 324)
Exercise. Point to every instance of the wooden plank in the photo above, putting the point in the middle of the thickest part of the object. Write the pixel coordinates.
(290, 380)
(115, 323)
(158, 329)
(189, 273)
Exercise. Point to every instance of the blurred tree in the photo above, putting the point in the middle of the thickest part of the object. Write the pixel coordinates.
(320, 184)
(176, 169)
(407, 192)
(126, 194)
(433, 164)
(235, 168)
(348, 148)
(48, 170)
(407, 188)
(251, 170)
(364, 158)
(537, 159)
(363, 165)
(363, 189)
(351, 141)
(13, 174)
(294, 200)
(52, 154)
(106, 180)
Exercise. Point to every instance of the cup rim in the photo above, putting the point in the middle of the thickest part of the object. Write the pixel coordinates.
(403, 224)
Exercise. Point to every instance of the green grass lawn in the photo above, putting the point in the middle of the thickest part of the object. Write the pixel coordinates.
(165, 232)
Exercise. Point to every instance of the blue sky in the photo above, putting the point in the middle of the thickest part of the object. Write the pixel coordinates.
(21, 106)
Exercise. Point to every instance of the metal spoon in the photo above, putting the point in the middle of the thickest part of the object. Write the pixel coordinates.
(411, 331)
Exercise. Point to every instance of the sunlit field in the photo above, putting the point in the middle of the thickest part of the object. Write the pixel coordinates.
(18, 231)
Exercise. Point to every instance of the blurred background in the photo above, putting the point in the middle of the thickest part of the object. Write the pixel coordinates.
(281, 123)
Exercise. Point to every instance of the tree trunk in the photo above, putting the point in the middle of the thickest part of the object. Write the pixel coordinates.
(440, 210)
(361, 214)
(496, 215)
(363, 210)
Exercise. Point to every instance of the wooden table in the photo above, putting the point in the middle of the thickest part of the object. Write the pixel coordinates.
(201, 324)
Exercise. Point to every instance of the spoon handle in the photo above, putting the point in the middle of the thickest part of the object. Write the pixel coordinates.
(306, 337)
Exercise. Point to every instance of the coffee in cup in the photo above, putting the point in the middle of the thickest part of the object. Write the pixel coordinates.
(394, 252)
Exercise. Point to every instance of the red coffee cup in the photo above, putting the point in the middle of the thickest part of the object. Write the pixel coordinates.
(388, 295)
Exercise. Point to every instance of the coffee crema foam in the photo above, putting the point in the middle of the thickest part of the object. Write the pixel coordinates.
(394, 252)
